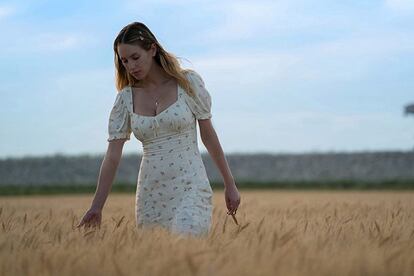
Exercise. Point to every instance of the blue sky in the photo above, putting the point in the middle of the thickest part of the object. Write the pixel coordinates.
(284, 76)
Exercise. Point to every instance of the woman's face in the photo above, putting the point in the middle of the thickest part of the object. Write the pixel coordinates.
(136, 60)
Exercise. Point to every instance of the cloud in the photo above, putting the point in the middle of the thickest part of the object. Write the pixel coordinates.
(285, 73)
(241, 20)
(57, 42)
(6, 11)
(402, 6)
(264, 21)
(46, 41)
(312, 131)
(27, 30)
(342, 59)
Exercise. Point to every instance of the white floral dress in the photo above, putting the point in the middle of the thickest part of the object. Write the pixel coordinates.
(173, 190)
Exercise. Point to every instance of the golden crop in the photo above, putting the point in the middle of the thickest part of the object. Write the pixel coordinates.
(278, 233)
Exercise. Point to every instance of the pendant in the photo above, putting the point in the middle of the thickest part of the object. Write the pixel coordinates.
(156, 103)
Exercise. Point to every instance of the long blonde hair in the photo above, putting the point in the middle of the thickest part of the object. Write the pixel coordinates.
(137, 33)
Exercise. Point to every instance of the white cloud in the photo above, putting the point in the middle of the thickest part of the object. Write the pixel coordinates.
(340, 59)
(87, 88)
(254, 20)
(57, 42)
(312, 131)
(160, 2)
(241, 20)
(404, 6)
(6, 11)
(307, 48)
(40, 37)
(46, 41)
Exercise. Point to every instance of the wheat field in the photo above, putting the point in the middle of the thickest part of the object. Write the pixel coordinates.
(279, 233)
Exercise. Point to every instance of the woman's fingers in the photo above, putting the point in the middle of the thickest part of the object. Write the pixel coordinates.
(80, 223)
(231, 211)
(86, 221)
(232, 207)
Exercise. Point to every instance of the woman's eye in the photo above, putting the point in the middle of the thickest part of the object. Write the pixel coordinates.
(125, 61)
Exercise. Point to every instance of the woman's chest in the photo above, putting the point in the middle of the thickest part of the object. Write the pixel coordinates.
(174, 119)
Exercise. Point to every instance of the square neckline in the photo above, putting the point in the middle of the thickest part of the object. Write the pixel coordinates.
(156, 115)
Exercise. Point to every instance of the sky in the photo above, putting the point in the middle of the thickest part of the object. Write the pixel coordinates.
(295, 76)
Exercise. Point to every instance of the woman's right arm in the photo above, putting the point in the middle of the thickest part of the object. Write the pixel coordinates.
(107, 172)
(106, 176)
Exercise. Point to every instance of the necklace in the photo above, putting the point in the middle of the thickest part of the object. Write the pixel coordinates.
(159, 97)
(156, 100)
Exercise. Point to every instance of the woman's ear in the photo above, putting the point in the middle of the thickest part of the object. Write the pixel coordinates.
(154, 49)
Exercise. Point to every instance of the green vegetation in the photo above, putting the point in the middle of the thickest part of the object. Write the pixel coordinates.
(119, 187)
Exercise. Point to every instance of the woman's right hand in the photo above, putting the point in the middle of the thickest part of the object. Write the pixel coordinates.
(92, 218)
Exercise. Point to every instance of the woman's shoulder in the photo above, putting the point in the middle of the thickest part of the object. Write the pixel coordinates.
(191, 73)
(122, 97)
(124, 92)
(194, 77)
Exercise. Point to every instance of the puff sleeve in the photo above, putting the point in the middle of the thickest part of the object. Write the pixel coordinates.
(119, 125)
(200, 104)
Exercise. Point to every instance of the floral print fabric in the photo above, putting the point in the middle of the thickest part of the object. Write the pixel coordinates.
(173, 190)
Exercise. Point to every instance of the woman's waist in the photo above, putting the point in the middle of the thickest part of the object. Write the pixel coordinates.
(172, 144)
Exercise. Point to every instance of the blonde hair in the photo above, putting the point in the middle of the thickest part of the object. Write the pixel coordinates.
(136, 33)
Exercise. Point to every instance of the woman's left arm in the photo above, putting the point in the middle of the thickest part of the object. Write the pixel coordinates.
(210, 140)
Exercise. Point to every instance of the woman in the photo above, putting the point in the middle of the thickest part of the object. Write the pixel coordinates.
(160, 103)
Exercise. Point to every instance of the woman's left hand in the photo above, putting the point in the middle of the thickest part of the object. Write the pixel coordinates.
(232, 198)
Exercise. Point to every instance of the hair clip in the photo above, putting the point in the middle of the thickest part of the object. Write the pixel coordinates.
(138, 37)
